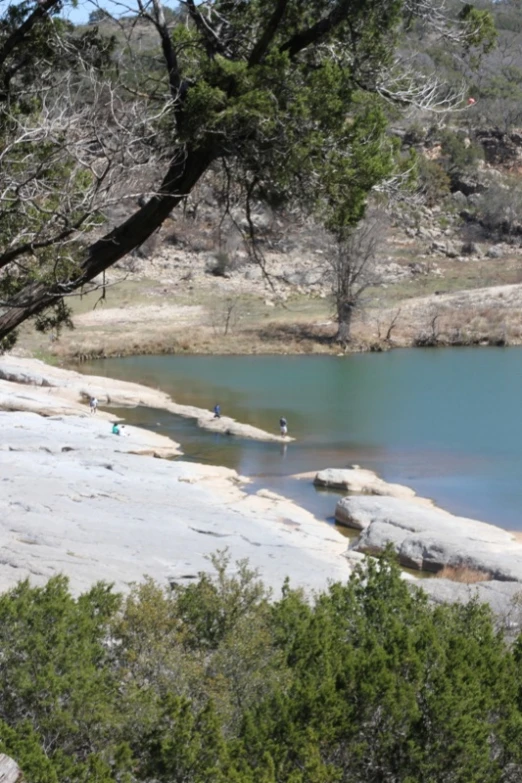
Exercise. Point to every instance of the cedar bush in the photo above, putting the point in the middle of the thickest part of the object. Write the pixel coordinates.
(218, 682)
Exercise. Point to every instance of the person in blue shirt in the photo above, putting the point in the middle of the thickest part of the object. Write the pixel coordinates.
(217, 411)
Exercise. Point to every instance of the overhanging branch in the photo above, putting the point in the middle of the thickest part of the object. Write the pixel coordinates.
(18, 35)
(318, 31)
(261, 47)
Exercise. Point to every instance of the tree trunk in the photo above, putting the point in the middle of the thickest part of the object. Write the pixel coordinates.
(344, 321)
(10, 772)
(180, 179)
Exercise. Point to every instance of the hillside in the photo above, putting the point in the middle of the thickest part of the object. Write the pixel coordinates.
(449, 273)
(217, 200)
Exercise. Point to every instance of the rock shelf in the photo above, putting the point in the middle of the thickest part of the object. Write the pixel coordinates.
(78, 500)
(66, 392)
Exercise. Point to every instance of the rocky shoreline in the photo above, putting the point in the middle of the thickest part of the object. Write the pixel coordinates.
(69, 392)
(80, 501)
(425, 538)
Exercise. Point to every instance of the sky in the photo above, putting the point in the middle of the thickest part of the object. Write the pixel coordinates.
(80, 14)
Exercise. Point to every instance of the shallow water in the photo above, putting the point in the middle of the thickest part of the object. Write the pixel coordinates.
(446, 422)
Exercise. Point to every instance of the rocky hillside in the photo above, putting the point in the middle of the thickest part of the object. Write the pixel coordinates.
(195, 286)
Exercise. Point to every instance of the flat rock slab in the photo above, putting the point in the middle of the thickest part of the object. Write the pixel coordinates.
(429, 539)
(360, 482)
(503, 597)
(29, 384)
(76, 500)
(29, 432)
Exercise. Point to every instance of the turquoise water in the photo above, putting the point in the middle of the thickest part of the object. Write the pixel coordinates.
(446, 422)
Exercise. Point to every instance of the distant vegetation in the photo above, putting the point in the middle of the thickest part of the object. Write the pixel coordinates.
(215, 683)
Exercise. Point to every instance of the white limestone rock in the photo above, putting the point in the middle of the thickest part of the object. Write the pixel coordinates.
(429, 539)
(360, 481)
(29, 384)
(78, 500)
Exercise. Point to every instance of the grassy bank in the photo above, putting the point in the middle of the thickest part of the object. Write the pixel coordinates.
(456, 303)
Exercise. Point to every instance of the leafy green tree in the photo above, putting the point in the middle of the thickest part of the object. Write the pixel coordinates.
(387, 688)
(287, 96)
(57, 689)
(213, 683)
(52, 671)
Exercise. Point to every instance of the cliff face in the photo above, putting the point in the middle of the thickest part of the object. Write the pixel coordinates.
(501, 149)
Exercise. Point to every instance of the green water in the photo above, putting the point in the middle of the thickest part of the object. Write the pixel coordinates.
(446, 422)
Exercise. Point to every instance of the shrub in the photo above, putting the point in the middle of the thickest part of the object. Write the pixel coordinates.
(459, 155)
(212, 682)
(433, 181)
(499, 209)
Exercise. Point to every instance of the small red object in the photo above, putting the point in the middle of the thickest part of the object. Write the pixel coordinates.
(471, 101)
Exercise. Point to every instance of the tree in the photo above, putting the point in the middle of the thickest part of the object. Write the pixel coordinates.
(98, 15)
(287, 97)
(351, 268)
(215, 682)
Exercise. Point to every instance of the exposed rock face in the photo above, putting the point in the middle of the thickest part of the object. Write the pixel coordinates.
(64, 392)
(429, 539)
(10, 772)
(501, 596)
(501, 148)
(77, 500)
(360, 481)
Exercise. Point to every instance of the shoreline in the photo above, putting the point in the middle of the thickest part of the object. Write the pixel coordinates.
(316, 348)
(296, 324)
(72, 390)
(80, 500)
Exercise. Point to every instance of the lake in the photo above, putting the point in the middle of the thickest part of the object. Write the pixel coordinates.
(446, 422)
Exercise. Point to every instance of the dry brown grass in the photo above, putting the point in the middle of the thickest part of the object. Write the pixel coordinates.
(144, 316)
(467, 576)
(270, 339)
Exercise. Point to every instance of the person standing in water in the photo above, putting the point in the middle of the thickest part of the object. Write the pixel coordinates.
(283, 426)
(217, 411)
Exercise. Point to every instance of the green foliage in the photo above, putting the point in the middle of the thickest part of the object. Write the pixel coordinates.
(433, 180)
(480, 27)
(460, 154)
(211, 683)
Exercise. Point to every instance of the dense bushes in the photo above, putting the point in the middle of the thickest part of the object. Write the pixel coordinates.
(500, 208)
(214, 683)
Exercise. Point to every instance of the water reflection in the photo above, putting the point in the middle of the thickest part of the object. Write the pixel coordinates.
(445, 422)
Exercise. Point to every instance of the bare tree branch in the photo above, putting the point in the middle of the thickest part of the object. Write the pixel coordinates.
(213, 43)
(169, 53)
